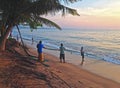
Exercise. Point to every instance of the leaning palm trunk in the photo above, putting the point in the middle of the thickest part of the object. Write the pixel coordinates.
(22, 41)
(29, 11)
(4, 38)
(2, 43)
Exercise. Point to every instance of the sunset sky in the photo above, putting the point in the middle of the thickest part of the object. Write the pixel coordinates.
(94, 14)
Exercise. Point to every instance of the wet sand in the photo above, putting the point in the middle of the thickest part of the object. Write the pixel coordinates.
(20, 71)
(99, 67)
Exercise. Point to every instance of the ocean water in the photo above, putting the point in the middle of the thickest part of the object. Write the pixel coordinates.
(98, 44)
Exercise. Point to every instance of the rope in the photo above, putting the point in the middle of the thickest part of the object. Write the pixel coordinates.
(52, 49)
(71, 51)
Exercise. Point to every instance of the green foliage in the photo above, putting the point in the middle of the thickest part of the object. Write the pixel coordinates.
(14, 12)
(18, 11)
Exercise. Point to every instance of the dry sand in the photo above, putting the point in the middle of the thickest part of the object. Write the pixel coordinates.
(92, 66)
(20, 71)
(99, 67)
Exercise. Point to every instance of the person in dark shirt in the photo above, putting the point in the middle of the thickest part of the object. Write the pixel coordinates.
(62, 54)
(82, 54)
(32, 40)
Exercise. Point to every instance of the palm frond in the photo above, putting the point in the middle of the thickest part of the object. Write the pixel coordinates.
(69, 1)
(36, 20)
(31, 11)
(47, 22)
(41, 7)
(70, 11)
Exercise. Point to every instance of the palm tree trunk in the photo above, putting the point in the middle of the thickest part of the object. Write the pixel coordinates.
(2, 43)
(22, 41)
(4, 37)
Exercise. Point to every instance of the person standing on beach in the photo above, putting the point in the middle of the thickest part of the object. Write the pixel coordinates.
(32, 40)
(62, 54)
(40, 46)
(82, 54)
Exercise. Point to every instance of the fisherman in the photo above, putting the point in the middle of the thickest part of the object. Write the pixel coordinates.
(82, 54)
(40, 46)
(62, 54)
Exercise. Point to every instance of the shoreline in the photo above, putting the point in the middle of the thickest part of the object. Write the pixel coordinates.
(102, 68)
(19, 70)
(98, 67)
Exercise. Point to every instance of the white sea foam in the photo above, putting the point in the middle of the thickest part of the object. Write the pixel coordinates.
(112, 60)
(102, 45)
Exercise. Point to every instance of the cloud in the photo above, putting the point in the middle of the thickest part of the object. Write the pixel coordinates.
(93, 14)
(106, 9)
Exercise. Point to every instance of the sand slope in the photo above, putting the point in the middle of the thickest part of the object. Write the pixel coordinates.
(20, 71)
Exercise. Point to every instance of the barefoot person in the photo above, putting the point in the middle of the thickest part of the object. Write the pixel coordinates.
(62, 54)
(82, 54)
(40, 46)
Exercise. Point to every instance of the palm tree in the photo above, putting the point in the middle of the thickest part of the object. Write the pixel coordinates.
(14, 12)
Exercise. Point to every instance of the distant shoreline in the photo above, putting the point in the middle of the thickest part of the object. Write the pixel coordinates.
(99, 67)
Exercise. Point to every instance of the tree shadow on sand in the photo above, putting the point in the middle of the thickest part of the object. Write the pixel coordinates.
(16, 74)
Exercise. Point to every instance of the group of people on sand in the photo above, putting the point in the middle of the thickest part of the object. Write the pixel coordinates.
(40, 47)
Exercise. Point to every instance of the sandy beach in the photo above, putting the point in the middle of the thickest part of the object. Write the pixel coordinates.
(59, 43)
(99, 67)
(20, 71)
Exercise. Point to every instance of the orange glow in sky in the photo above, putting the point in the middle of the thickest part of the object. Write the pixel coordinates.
(94, 14)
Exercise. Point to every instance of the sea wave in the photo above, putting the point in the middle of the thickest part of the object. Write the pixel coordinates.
(98, 45)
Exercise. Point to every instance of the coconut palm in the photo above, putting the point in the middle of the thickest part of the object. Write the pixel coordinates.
(14, 12)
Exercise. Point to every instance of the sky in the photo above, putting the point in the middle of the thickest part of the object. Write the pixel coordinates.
(94, 14)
